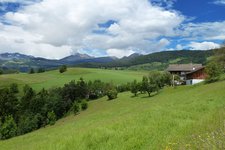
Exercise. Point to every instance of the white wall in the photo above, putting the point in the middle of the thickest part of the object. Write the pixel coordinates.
(193, 81)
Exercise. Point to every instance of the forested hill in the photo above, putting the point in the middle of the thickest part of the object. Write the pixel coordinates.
(164, 57)
(157, 61)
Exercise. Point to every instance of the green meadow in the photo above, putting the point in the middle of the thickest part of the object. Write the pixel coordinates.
(54, 78)
(186, 117)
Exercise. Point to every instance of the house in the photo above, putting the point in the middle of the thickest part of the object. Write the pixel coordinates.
(189, 73)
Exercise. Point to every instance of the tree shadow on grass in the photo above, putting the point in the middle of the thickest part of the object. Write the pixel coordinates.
(152, 95)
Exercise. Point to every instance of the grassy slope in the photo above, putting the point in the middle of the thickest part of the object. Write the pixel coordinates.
(54, 78)
(173, 116)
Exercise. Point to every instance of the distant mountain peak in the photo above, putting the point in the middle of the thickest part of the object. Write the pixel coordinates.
(76, 57)
(10, 56)
(82, 55)
(134, 55)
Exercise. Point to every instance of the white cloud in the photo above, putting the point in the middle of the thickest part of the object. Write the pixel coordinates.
(119, 52)
(204, 31)
(67, 23)
(15, 39)
(167, 3)
(203, 45)
(54, 29)
(20, 1)
(219, 2)
(179, 47)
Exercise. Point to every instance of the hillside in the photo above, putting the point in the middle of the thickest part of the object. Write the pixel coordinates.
(165, 58)
(23, 63)
(188, 117)
(54, 78)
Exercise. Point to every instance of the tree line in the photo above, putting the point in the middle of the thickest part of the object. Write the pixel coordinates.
(151, 83)
(216, 66)
(27, 110)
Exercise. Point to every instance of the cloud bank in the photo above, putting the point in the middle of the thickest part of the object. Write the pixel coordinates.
(54, 29)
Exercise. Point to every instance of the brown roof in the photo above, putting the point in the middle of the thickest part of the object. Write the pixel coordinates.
(184, 67)
(196, 70)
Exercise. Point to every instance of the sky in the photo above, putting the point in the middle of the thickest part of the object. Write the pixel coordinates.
(58, 28)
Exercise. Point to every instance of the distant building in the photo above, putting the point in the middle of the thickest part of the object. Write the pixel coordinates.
(189, 73)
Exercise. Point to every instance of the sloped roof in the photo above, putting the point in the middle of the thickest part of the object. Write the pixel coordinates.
(184, 67)
(196, 70)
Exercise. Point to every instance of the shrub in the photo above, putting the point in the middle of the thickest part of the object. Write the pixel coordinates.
(75, 107)
(51, 118)
(84, 105)
(14, 88)
(40, 70)
(134, 87)
(8, 129)
(31, 71)
(112, 94)
(63, 69)
(213, 71)
(27, 123)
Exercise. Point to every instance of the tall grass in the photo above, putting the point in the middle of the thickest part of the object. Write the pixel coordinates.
(182, 118)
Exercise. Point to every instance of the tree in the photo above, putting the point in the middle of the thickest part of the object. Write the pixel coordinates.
(111, 91)
(167, 78)
(76, 107)
(8, 103)
(149, 85)
(82, 89)
(31, 71)
(14, 88)
(51, 118)
(1, 71)
(8, 129)
(84, 105)
(96, 89)
(112, 94)
(220, 56)
(27, 123)
(70, 94)
(134, 87)
(63, 69)
(40, 70)
(27, 98)
(144, 85)
(213, 71)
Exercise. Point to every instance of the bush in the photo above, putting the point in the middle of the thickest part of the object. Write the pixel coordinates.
(27, 123)
(75, 107)
(14, 88)
(213, 71)
(51, 118)
(63, 69)
(112, 94)
(84, 105)
(40, 70)
(135, 87)
(31, 71)
(8, 129)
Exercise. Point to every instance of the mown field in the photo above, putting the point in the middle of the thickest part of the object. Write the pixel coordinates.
(187, 117)
(54, 78)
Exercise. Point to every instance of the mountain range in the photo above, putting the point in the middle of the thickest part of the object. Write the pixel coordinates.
(21, 62)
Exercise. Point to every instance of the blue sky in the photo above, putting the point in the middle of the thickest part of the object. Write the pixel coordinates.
(55, 29)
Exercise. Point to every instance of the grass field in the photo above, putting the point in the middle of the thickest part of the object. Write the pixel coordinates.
(54, 78)
(188, 117)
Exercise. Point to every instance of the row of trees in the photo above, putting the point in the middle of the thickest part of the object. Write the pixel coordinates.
(151, 83)
(39, 70)
(216, 66)
(33, 110)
